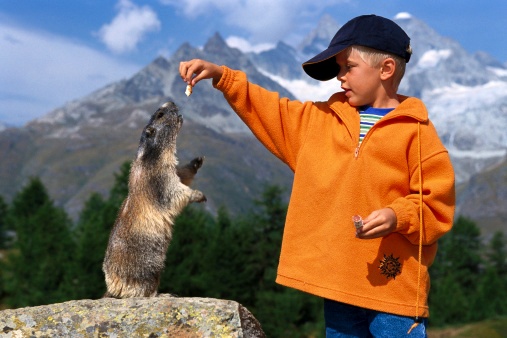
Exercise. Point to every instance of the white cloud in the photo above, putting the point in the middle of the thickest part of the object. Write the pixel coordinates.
(246, 47)
(40, 71)
(432, 57)
(306, 91)
(403, 16)
(128, 27)
(263, 20)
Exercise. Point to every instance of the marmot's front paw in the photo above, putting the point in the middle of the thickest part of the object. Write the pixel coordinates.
(196, 163)
(198, 196)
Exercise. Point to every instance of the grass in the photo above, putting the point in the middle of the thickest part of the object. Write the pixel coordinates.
(491, 328)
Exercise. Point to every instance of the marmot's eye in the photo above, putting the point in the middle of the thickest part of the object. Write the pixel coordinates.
(150, 132)
(160, 114)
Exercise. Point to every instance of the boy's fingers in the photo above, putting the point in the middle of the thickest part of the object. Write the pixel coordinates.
(371, 234)
(183, 70)
(187, 70)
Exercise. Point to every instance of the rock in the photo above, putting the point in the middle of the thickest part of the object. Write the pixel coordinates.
(162, 316)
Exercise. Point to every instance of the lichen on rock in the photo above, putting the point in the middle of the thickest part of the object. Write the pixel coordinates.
(162, 316)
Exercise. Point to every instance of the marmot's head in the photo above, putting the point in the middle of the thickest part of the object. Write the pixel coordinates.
(159, 135)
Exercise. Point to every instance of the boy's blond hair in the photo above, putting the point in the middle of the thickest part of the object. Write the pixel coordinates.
(374, 57)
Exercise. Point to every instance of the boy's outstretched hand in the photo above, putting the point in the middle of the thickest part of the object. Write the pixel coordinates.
(196, 70)
(379, 223)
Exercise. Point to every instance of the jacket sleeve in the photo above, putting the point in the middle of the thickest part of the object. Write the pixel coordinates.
(280, 124)
(438, 192)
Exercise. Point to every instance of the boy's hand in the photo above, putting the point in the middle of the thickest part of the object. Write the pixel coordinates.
(379, 223)
(196, 70)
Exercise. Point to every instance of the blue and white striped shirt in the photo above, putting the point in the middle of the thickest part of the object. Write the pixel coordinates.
(368, 117)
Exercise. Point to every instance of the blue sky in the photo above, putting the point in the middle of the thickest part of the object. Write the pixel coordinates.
(55, 51)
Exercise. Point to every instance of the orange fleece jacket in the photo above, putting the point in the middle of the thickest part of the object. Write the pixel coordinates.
(334, 180)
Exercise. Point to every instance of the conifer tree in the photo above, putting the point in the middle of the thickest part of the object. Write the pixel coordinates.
(37, 270)
(490, 296)
(92, 233)
(491, 292)
(120, 188)
(456, 274)
(3, 223)
(3, 244)
(228, 263)
(184, 273)
(497, 254)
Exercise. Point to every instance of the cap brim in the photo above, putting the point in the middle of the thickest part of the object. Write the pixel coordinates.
(323, 66)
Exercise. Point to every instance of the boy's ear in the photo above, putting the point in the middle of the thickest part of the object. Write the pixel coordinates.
(387, 68)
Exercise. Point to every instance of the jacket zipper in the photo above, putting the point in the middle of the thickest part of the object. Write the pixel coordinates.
(356, 152)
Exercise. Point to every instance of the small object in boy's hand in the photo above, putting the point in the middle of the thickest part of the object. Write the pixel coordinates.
(358, 221)
(189, 90)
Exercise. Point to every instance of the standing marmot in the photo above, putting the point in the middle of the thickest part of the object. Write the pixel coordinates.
(138, 243)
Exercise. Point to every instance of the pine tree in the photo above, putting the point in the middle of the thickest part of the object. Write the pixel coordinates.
(491, 292)
(120, 188)
(3, 242)
(92, 233)
(497, 254)
(268, 226)
(228, 267)
(456, 274)
(37, 270)
(490, 296)
(184, 273)
(3, 223)
(449, 303)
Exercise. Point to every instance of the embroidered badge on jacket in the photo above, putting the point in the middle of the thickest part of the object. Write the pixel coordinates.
(390, 266)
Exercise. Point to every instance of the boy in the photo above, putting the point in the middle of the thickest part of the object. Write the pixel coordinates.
(366, 151)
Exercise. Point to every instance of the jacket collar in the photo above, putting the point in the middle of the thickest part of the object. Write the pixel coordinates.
(409, 107)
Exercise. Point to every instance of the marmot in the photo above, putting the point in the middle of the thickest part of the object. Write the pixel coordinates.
(158, 192)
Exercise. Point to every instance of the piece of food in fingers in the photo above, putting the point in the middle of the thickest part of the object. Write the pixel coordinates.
(358, 221)
(188, 91)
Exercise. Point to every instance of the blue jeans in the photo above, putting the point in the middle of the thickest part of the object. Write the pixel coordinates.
(343, 320)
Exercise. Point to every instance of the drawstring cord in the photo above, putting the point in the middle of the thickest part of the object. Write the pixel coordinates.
(417, 319)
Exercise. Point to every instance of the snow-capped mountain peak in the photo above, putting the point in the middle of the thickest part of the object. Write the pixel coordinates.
(318, 39)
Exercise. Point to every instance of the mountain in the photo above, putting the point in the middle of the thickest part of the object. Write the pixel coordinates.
(483, 198)
(318, 39)
(3, 126)
(76, 148)
(282, 60)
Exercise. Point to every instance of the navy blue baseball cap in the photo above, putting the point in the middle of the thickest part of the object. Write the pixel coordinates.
(366, 30)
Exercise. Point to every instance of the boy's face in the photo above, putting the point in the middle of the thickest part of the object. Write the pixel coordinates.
(360, 81)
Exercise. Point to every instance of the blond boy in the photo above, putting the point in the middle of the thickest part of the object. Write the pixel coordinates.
(366, 152)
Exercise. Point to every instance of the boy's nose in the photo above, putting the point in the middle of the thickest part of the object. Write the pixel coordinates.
(341, 76)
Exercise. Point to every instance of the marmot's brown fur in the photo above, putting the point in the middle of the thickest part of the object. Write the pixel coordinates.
(158, 192)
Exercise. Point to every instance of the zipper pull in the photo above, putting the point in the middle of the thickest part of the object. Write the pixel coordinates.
(356, 152)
